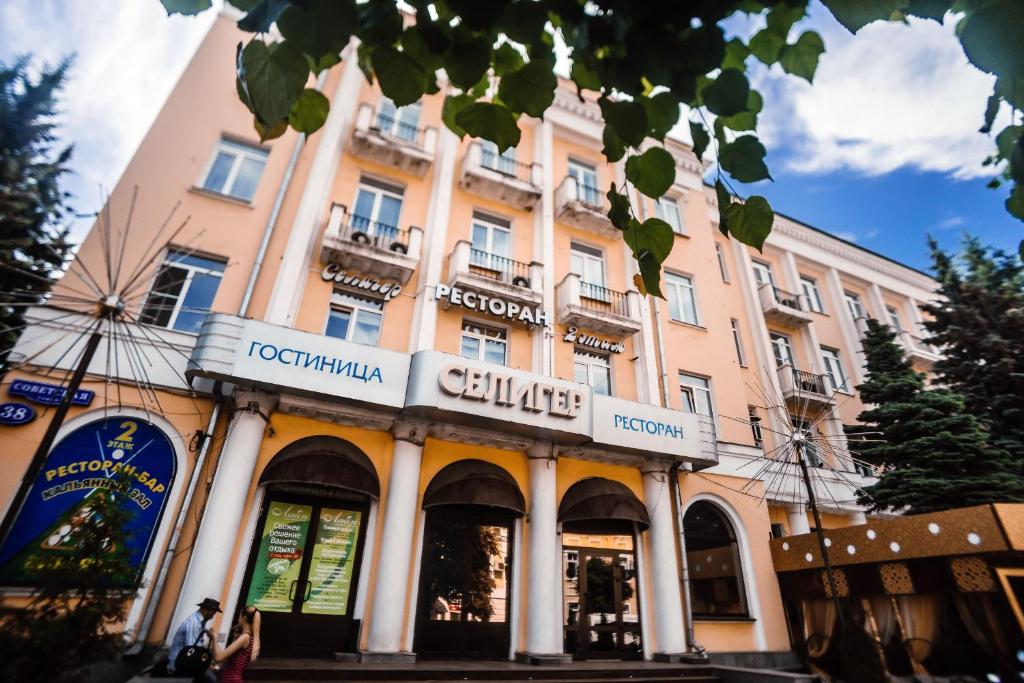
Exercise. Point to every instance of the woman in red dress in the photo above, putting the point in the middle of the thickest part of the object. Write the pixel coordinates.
(243, 649)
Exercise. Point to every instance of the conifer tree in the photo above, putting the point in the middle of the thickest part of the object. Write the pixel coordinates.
(934, 454)
(978, 321)
(33, 247)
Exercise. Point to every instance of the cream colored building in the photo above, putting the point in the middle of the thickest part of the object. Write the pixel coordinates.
(430, 385)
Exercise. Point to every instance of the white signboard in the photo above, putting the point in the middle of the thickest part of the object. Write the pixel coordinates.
(639, 427)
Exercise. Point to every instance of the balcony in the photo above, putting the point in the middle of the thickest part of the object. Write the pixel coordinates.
(584, 207)
(782, 307)
(383, 139)
(597, 309)
(918, 350)
(804, 391)
(491, 176)
(371, 248)
(487, 273)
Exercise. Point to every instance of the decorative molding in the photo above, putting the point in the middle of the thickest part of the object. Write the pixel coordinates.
(337, 413)
(413, 431)
(476, 436)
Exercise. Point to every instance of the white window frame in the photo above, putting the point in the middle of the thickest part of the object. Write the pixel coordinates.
(682, 285)
(591, 359)
(783, 342)
(832, 363)
(492, 224)
(379, 189)
(737, 337)
(760, 267)
(812, 294)
(399, 116)
(669, 206)
(853, 305)
(337, 303)
(580, 170)
(894, 319)
(723, 267)
(505, 162)
(479, 334)
(179, 299)
(688, 395)
(241, 151)
(755, 425)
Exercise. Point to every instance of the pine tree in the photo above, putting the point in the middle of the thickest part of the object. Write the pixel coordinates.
(979, 324)
(33, 247)
(935, 454)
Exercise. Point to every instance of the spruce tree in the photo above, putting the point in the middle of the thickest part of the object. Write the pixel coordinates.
(978, 321)
(33, 246)
(934, 453)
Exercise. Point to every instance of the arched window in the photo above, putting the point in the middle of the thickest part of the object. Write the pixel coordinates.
(712, 556)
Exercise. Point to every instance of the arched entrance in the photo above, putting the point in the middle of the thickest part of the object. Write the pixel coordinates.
(463, 609)
(600, 521)
(304, 564)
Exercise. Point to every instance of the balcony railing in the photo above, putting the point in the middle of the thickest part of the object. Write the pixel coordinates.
(383, 138)
(361, 230)
(589, 195)
(598, 298)
(499, 268)
(788, 298)
(488, 174)
(596, 308)
(583, 206)
(506, 165)
(370, 247)
(399, 130)
(809, 383)
(781, 306)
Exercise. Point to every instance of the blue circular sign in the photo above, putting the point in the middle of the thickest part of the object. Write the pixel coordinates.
(120, 456)
(16, 413)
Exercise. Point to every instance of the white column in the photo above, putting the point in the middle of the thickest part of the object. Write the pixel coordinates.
(798, 523)
(876, 304)
(222, 519)
(668, 615)
(543, 602)
(544, 246)
(854, 354)
(391, 587)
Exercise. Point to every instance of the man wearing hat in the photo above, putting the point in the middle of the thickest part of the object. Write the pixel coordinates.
(191, 630)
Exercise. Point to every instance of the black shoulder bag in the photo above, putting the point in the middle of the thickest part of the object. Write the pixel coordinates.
(194, 659)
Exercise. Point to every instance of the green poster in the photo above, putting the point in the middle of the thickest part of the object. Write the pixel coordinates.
(276, 571)
(334, 557)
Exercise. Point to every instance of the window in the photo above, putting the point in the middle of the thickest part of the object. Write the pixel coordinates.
(763, 274)
(355, 319)
(667, 209)
(782, 349)
(593, 369)
(378, 206)
(894, 319)
(503, 163)
(811, 293)
(481, 342)
(401, 123)
(755, 425)
(778, 530)
(182, 292)
(696, 391)
(834, 369)
(682, 303)
(810, 445)
(491, 242)
(853, 305)
(236, 170)
(738, 341)
(586, 182)
(588, 263)
(712, 556)
(722, 267)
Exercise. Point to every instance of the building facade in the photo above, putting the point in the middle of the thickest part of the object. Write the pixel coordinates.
(405, 397)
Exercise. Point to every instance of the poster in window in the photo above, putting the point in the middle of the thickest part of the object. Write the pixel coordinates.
(333, 562)
(279, 558)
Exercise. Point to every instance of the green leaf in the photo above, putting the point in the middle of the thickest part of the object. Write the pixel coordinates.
(782, 17)
(736, 54)
(628, 120)
(745, 120)
(700, 137)
(401, 79)
(650, 273)
(1012, 90)
(274, 78)
(662, 113)
(321, 29)
(724, 200)
(801, 58)
(506, 59)
(653, 235)
(490, 121)
(1015, 202)
(653, 172)
(613, 149)
(1016, 168)
(993, 36)
(270, 132)
(766, 45)
(186, 7)
(991, 109)
(619, 212)
(1006, 140)
(530, 90)
(453, 104)
(310, 112)
(929, 9)
(751, 221)
(727, 94)
(478, 15)
(584, 77)
(743, 159)
(468, 57)
(380, 22)
(856, 14)
(524, 20)
(262, 16)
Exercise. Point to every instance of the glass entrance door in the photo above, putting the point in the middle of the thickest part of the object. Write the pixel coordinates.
(463, 609)
(303, 574)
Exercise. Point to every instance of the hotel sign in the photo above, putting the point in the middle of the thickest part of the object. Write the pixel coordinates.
(332, 272)
(506, 390)
(497, 306)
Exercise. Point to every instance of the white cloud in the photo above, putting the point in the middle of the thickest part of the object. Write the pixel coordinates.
(893, 96)
(128, 57)
(846, 235)
(950, 223)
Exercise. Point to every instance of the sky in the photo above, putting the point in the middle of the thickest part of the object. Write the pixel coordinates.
(882, 150)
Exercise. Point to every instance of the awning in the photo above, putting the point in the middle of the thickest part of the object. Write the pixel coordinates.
(474, 482)
(600, 500)
(323, 461)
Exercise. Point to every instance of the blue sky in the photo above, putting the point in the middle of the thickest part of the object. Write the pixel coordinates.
(882, 150)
